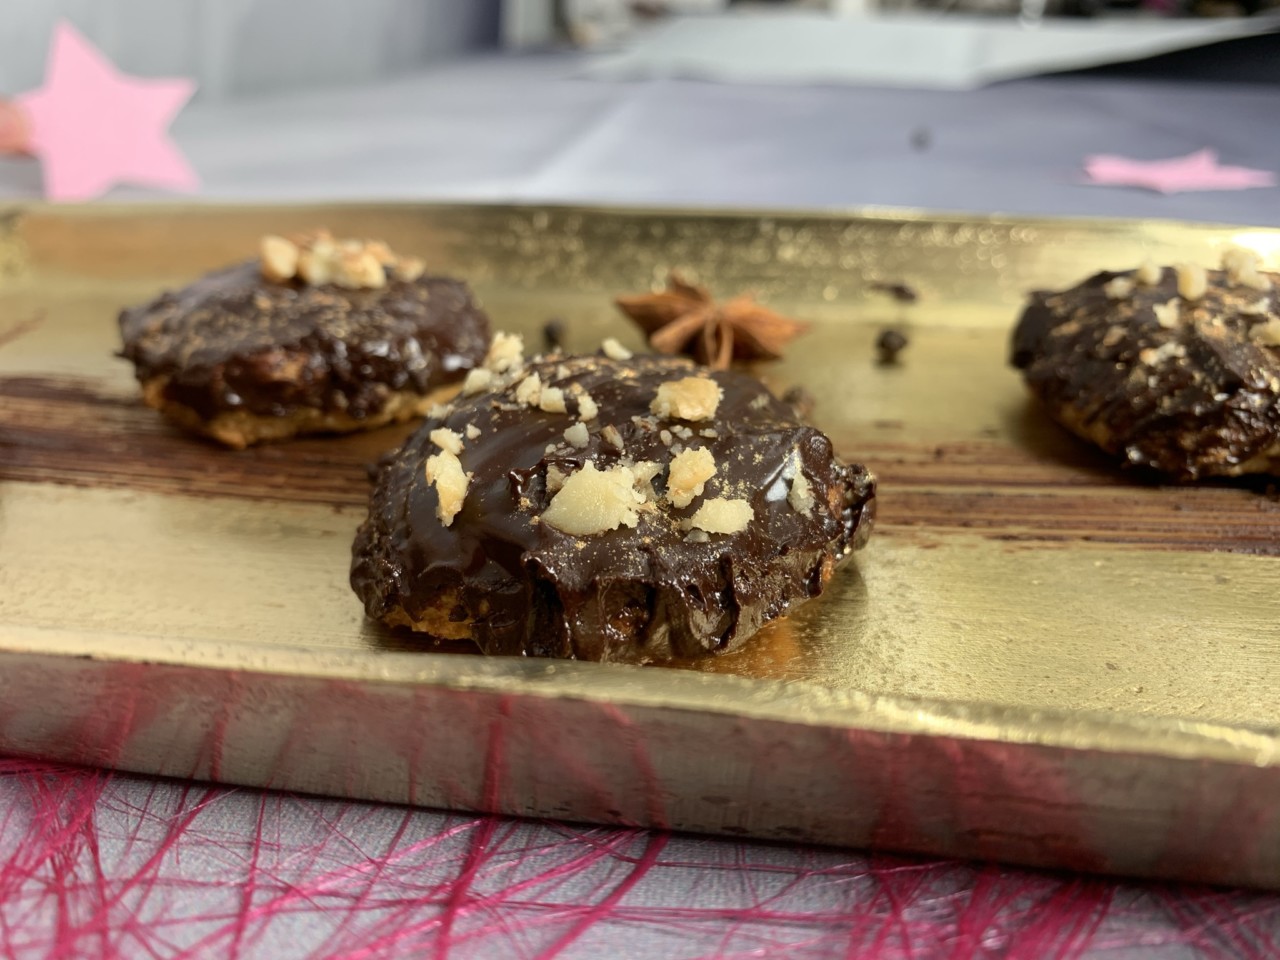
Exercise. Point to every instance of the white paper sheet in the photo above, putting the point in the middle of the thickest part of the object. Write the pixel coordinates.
(936, 52)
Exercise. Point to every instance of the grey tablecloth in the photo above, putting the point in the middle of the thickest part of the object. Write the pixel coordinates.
(528, 129)
(531, 129)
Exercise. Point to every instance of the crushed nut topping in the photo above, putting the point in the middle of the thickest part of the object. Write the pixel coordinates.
(317, 259)
(1167, 313)
(1148, 274)
(1267, 334)
(1118, 288)
(614, 350)
(594, 501)
(555, 478)
(279, 258)
(801, 495)
(446, 439)
(577, 435)
(444, 471)
(697, 536)
(478, 381)
(505, 353)
(1193, 281)
(612, 436)
(552, 400)
(1258, 309)
(644, 472)
(1154, 356)
(472, 431)
(721, 516)
(690, 470)
(439, 411)
(690, 398)
(529, 390)
(587, 408)
(1238, 260)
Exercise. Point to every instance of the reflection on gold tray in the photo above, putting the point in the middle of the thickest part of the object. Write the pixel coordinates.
(1037, 658)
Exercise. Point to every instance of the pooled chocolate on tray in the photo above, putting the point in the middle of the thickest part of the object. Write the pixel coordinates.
(606, 507)
(1175, 369)
(315, 336)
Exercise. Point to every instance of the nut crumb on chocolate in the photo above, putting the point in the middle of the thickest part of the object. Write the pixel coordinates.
(689, 398)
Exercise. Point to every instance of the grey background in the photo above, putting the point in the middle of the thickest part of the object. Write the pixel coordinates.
(247, 47)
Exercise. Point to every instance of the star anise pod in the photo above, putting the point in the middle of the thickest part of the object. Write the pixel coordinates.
(684, 319)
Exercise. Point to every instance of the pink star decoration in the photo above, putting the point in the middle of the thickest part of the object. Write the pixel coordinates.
(93, 127)
(1195, 171)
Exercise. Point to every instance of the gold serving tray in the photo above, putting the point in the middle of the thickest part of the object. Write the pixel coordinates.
(1038, 658)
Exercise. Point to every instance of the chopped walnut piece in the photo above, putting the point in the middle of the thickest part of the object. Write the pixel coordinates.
(721, 516)
(279, 258)
(1193, 281)
(1255, 281)
(594, 501)
(478, 381)
(1154, 356)
(552, 400)
(555, 478)
(1238, 260)
(447, 439)
(318, 259)
(587, 409)
(1267, 334)
(409, 269)
(359, 271)
(444, 471)
(1167, 313)
(690, 470)
(529, 390)
(577, 435)
(644, 472)
(472, 431)
(690, 398)
(1148, 274)
(505, 353)
(315, 269)
(801, 495)
(1118, 288)
(612, 436)
(614, 350)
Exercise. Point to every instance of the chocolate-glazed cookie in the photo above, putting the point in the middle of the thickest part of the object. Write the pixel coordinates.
(1174, 369)
(316, 337)
(606, 508)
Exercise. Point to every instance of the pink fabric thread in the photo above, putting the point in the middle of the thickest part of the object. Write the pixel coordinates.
(100, 865)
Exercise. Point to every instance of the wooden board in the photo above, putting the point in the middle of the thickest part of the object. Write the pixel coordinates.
(1038, 657)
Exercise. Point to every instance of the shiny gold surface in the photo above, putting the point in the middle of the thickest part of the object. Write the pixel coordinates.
(1037, 658)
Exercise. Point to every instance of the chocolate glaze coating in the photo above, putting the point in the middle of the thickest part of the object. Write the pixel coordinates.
(517, 585)
(1192, 397)
(235, 341)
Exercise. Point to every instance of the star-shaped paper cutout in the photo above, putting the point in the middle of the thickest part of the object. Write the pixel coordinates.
(93, 127)
(1195, 171)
